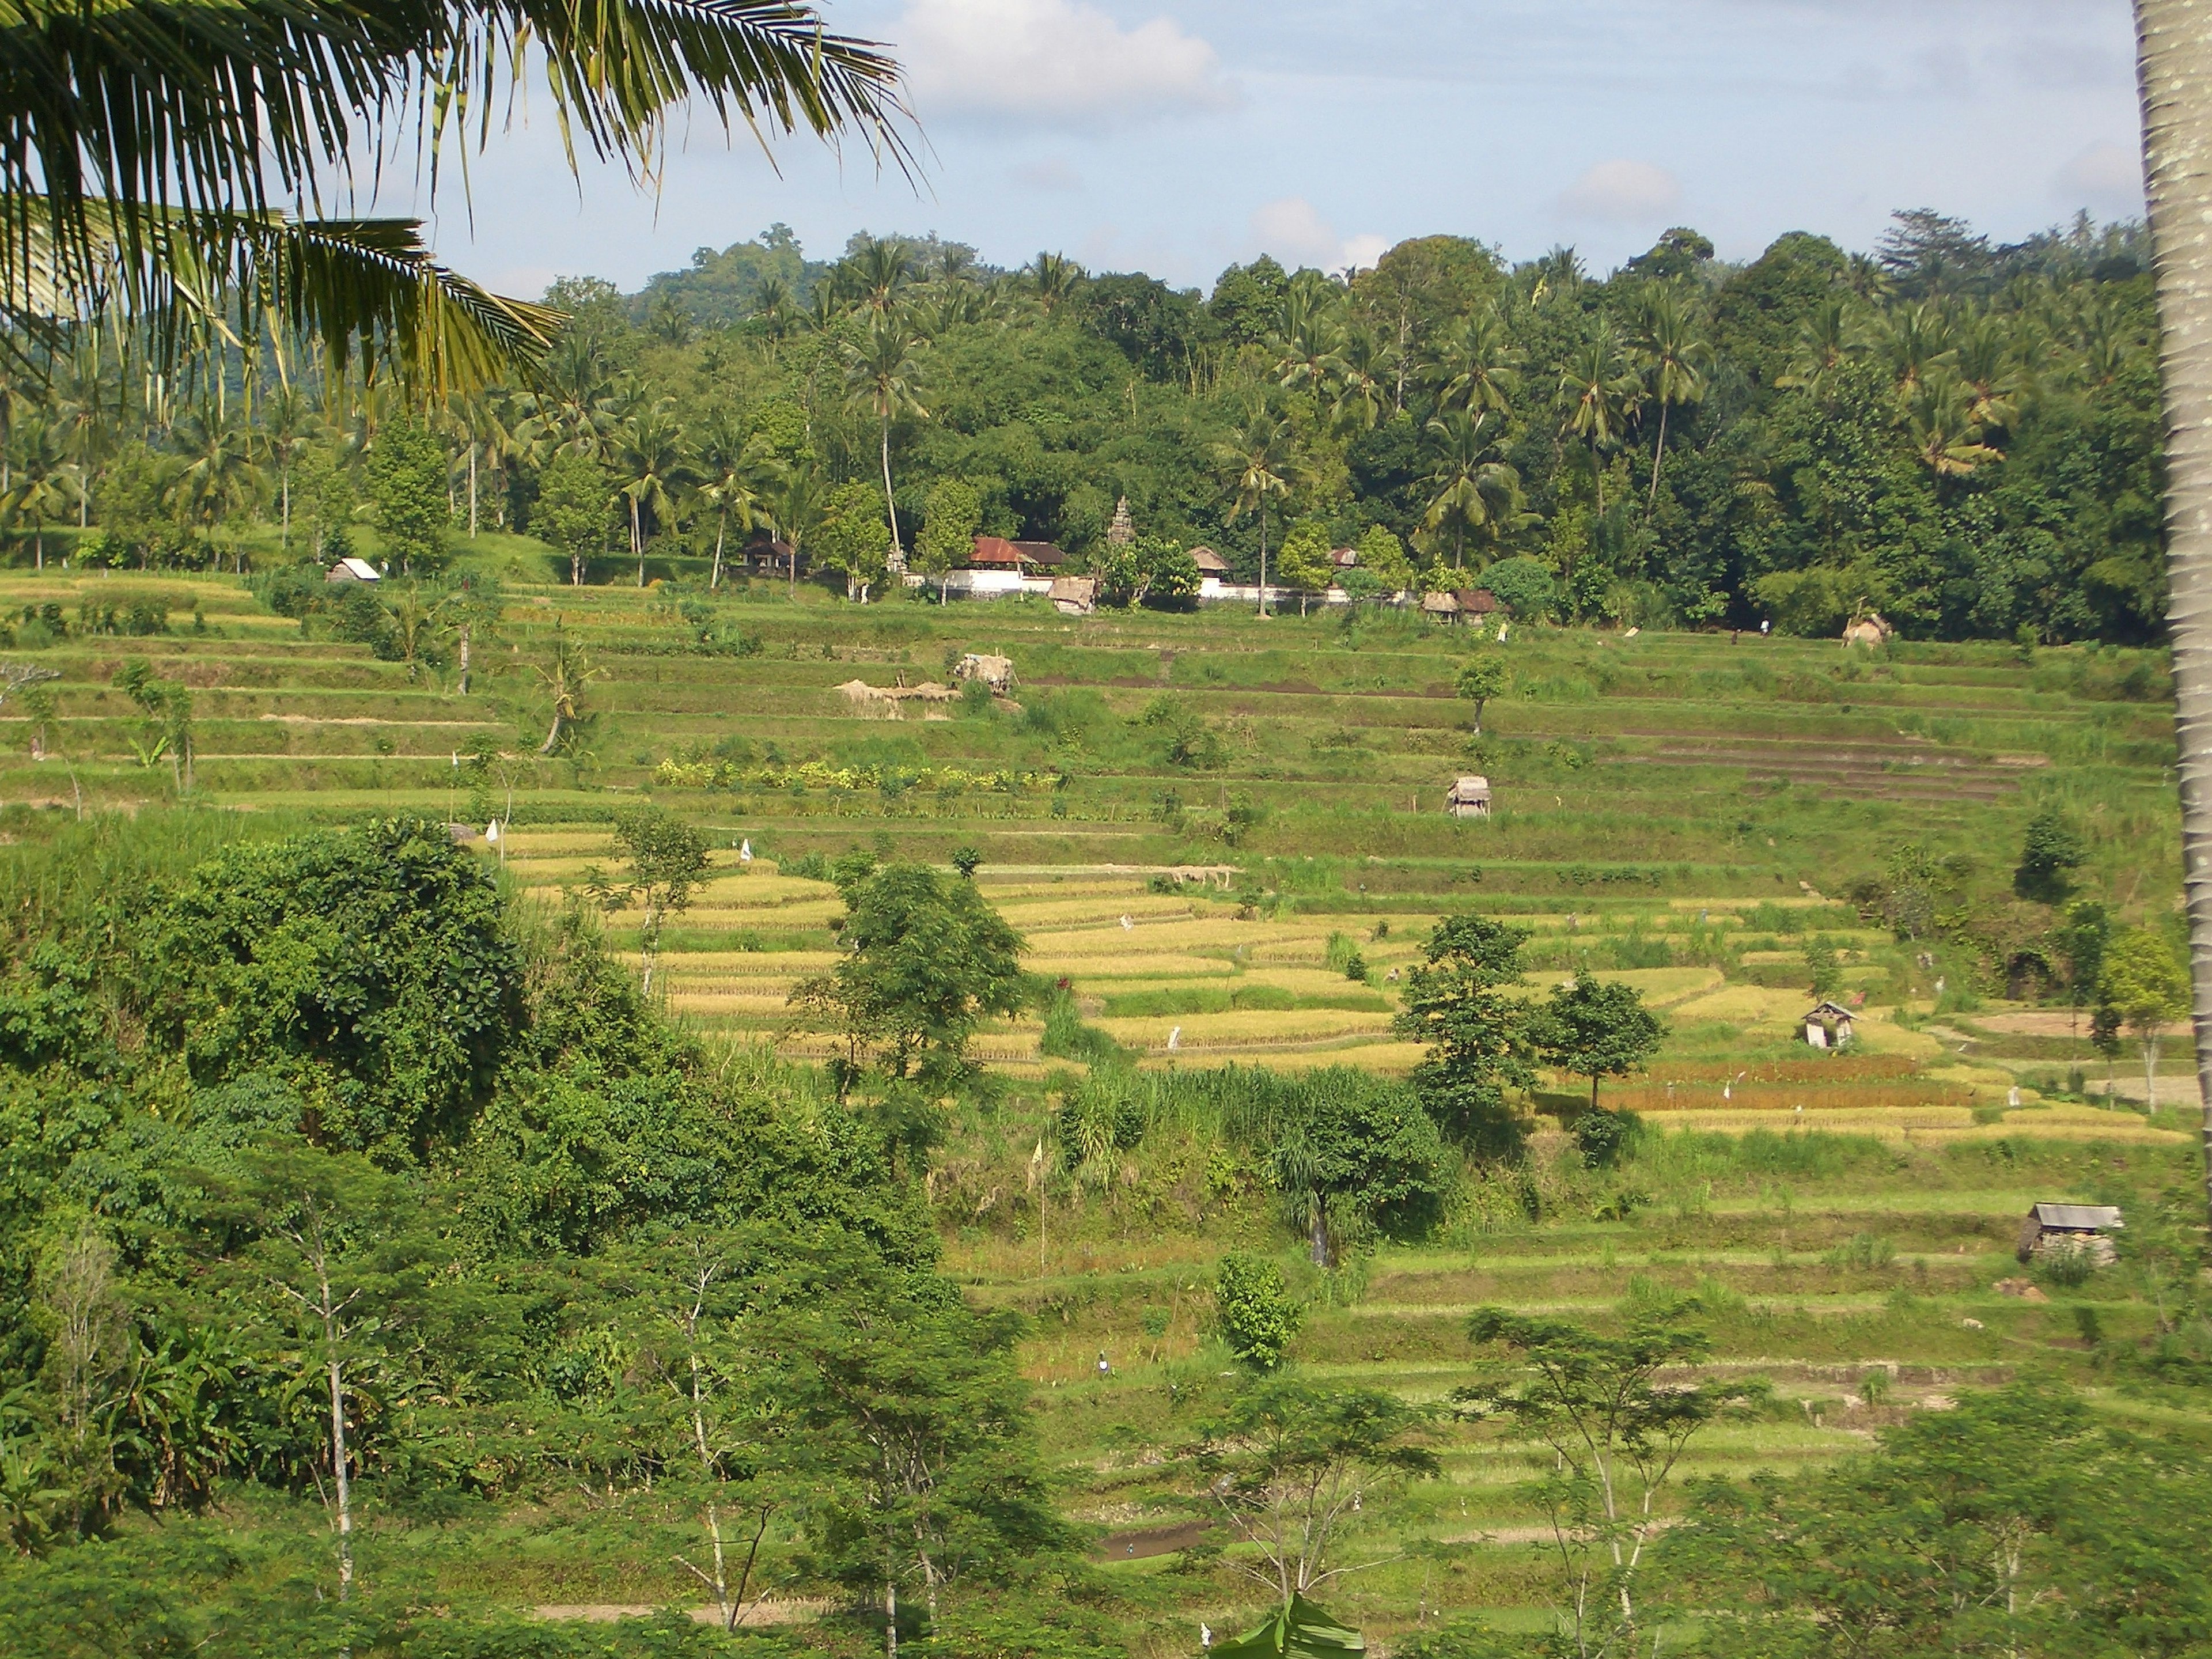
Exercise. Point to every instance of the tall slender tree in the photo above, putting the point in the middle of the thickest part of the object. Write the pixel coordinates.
(2174, 60)
(1256, 464)
(880, 376)
(1675, 356)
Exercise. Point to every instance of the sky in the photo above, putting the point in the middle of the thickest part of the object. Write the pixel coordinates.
(1176, 138)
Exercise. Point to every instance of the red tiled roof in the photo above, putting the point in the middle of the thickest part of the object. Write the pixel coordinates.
(996, 551)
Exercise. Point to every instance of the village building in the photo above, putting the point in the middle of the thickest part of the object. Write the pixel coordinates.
(1209, 564)
(350, 570)
(2052, 1228)
(1827, 1026)
(1469, 799)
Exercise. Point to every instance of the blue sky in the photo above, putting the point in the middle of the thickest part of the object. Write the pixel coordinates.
(1175, 137)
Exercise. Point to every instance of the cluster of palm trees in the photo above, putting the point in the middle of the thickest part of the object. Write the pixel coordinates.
(1468, 376)
(1963, 373)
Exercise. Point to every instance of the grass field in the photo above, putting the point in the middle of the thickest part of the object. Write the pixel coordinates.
(1681, 811)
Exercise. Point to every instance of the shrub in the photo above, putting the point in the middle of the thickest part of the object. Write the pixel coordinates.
(1604, 1137)
(1259, 1320)
(1526, 584)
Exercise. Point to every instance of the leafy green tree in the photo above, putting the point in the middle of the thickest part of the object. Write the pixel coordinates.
(851, 538)
(2146, 987)
(2081, 939)
(1964, 1533)
(1463, 999)
(1258, 1315)
(665, 862)
(1382, 561)
(1291, 1464)
(926, 960)
(2051, 851)
(951, 516)
(1596, 1029)
(1485, 677)
(1356, 1155)
(575, 510)
(1618, 1426)
(368, 969)
(1303, 560)
(914, 1423)
(407, 489)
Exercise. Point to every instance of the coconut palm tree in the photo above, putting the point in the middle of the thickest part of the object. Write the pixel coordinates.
(798, 498)
(287, 425)
(1359, 380)
(651, 461)
(735, 467)
(1675, 357)
(1475, 492)
(148, 149)
(219, 479)
(1595, 389)
(1828, 338)
(876, 271)
(1476, 365)
(2174, 55)
(44, 483)
(1054, 278)
(1256, 464)
(880, 376)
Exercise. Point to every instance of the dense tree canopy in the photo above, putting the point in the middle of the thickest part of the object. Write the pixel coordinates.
(1960, 435)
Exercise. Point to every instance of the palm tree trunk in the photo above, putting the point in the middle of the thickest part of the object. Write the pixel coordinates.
(890, 505)
(1263, 555)
(472, 490)
(1657, 456)
(637, 540)
(2174, 60)
(721, 530)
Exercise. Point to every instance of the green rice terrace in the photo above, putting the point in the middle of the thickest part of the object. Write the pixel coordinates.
(1225, 843)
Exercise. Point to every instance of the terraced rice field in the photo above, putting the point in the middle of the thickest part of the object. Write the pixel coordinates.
(1681, 811)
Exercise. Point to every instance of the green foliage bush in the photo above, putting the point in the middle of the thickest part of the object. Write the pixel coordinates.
(1258, 1317)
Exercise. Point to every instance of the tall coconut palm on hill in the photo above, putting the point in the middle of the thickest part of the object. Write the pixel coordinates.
(735, 468)
(148, 149)
(1476, 493)
(2174, 58)
(1257, 464)
(880, 376)
(1595, 388)
(652, 462)
(1054, 277)
(1674, 356)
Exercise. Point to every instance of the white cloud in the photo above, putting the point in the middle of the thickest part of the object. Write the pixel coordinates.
(1291, 228)
(2103, 177)
(1058, 63)
(1624, 192)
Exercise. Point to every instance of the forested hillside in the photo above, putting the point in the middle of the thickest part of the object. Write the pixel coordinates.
(1961, 435)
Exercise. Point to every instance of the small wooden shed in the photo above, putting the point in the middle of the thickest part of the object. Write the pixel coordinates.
(1827, 1026)
(1075, 596)
(2059, 1227)
(350, 570)
(1469, 799)
(1445, 607)
(1209, 562)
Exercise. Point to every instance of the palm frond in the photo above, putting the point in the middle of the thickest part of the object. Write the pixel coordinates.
(368, 289)
(118, 116)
